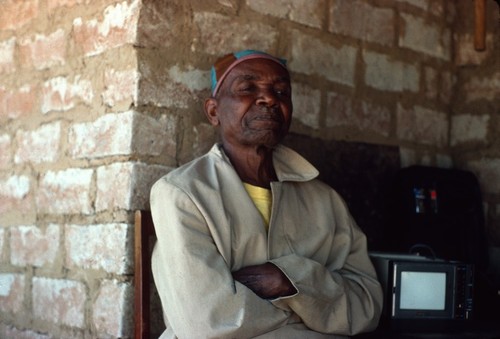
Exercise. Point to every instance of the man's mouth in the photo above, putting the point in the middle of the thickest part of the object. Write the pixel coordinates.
(268, 114)
(268, 117)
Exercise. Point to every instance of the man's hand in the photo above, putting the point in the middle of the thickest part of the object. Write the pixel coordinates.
(266, 280)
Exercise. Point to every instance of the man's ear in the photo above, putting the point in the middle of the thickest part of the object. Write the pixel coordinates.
(211, 111)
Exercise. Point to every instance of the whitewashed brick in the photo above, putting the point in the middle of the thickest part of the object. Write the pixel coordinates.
(59, 301)
(307, 12)
(7, 48)
(5, 151)
(110, 134)
(59, 94)
(218, 32)
(40, 145)
(30, 245)
(14, 333)
(2, 242)
(306, 104)
(11, 292)
(426, 37)
(16, 14)
(15, 193)
(191, 79)
(17, 103)
(16, 186)
(173, 88)
(122, 134)
(70, 188)
(422, 126)
(126, 185)
(105, 247)
(117, 28)
(466, 127)
(114, 186)
(112, 310)
(44, 51)
(314, 56)
(54, 4)
(384, 73)
(120, 86)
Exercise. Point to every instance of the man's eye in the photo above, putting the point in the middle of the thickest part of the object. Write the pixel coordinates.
(282, 91)
(245, 88)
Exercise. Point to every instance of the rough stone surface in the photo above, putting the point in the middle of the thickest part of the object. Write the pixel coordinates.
(126, 185)
(307, 12)
(11, 292)
(387, 74)
(422, 36)
(468, 127)
(31, 245)
(99, 247)
(41, 145)
(362, 21)
(422, 125)
(7, 48)
(70, 188)
(5, 151)
(59, 301)
(112, 309)
(306, 104)
(313, 56)
(15, 194)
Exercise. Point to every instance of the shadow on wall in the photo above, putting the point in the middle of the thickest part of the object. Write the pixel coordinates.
(361, 173)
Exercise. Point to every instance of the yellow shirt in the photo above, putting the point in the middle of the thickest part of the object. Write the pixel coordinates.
(263, 200)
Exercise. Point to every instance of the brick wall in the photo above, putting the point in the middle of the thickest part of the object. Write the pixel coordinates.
(475, 122)
(73, 151)
(100, 98)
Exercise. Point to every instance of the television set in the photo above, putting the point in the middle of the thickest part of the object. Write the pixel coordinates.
(424, 293)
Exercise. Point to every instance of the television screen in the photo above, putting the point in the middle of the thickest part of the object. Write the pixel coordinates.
(423, 291)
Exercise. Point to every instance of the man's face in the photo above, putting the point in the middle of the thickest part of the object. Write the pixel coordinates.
(254, 104)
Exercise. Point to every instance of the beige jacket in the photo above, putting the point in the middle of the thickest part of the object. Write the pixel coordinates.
(207, 226)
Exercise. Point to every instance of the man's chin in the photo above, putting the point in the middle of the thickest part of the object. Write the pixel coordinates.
(271, 142)
(265, 137)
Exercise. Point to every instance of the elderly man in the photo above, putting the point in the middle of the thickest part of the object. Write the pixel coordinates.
(250, 244)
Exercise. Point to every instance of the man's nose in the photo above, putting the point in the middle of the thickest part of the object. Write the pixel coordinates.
(267, 96)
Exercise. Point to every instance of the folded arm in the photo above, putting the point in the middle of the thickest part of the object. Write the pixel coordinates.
(266, 280)
(341, 297)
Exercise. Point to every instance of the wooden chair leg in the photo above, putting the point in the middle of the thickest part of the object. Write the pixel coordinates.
(143, 231)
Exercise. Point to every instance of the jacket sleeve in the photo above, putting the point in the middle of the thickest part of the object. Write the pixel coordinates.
(198, 294)
(342, 296)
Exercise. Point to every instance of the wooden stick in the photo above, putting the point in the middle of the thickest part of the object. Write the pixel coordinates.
(480, 25)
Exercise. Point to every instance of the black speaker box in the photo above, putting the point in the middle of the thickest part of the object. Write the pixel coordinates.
(437, 212)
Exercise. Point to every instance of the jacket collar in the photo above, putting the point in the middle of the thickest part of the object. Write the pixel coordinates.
(288, 164)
